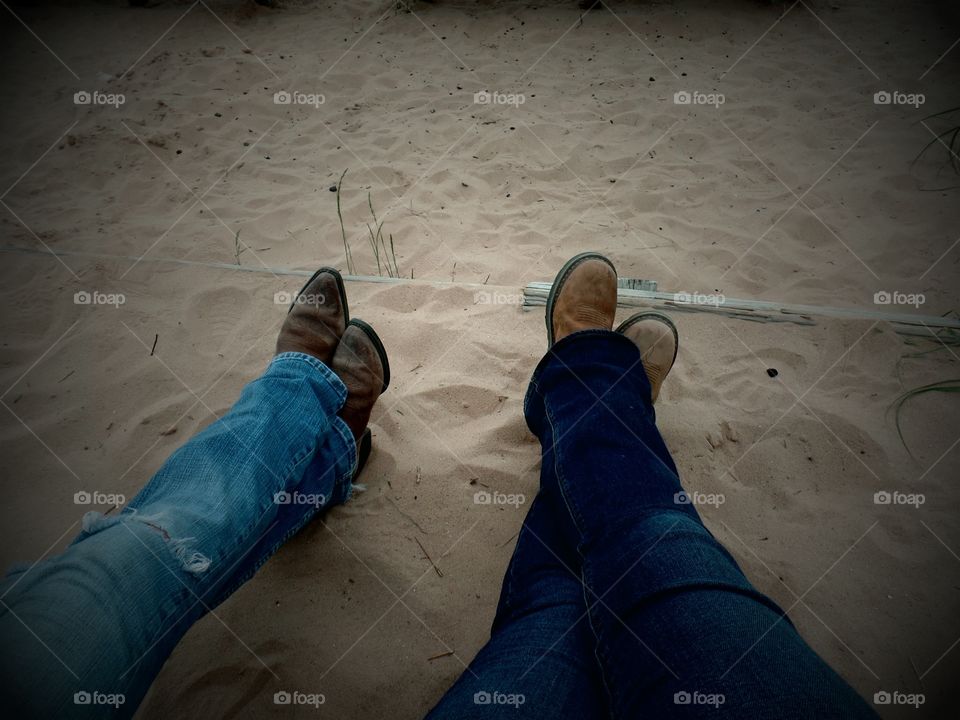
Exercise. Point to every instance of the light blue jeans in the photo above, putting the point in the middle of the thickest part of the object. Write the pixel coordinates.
(85, 633)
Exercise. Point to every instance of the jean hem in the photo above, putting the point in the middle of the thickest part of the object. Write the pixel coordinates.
(333, 380)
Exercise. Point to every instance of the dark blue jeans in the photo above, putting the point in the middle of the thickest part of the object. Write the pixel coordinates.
(618, 602)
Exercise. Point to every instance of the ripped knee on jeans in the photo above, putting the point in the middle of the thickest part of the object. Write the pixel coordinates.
(189, 559)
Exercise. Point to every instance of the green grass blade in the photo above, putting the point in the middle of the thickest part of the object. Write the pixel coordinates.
(896, 406)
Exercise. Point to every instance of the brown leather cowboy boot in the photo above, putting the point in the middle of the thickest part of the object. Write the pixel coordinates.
(317, 317)
(361, 363)
(583, 297)
(658, 340)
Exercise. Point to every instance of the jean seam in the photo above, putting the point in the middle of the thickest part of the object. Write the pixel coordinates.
(272, 551)
(341, 427)
(598, 650)
(561, 480)
(578, 523)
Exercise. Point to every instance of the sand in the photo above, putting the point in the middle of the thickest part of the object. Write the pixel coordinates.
(481, 199)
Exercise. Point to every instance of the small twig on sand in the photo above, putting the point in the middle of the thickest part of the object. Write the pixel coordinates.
(448, 653)
(417, 525)
(237, 250)
(508, 540)
(393, 256)
(155, 338)
(343, 232)
(427, 555)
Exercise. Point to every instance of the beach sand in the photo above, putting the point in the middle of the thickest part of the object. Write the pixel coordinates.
(798, 188)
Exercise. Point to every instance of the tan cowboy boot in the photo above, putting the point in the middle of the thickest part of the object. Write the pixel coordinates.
(583, 297)
(657, 338)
